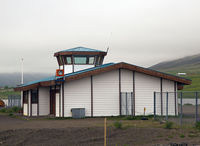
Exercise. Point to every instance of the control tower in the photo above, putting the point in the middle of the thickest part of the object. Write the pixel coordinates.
(79, 58)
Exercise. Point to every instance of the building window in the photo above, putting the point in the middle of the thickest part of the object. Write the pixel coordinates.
(25, 96)
(34, 96)
(80, 60)
(91, 60)
(69, 60)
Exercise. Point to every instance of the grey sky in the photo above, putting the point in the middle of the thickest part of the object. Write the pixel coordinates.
(144, 32)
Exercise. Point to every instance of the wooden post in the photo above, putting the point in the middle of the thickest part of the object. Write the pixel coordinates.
(104, 131)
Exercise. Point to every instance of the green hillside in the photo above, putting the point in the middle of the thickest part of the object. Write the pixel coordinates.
(189, 65)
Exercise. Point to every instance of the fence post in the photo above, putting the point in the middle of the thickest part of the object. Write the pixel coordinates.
(167, 106)
(175, 102)
(126, 105)
(181, 108)
(161, 104)
(154, 95)
(196, 115)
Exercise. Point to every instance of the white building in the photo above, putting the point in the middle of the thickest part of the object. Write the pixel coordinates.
(102, 89)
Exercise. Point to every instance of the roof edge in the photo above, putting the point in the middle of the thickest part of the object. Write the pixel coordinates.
(109, 67)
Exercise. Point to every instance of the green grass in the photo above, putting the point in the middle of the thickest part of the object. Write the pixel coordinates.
(195, 86)
(118, 125)
(4, 93)
(195, 77)
(182, 135)
(11, 110)
(168, 125)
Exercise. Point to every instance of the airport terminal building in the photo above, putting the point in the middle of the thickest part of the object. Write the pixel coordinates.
(84, 82)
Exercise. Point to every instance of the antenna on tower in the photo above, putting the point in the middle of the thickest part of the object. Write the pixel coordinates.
(107, 49)
(109, 42)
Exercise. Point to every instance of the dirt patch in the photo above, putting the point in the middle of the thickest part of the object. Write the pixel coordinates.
(87, 132)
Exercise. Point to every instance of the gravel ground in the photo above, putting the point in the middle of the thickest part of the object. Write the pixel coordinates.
(86, 132)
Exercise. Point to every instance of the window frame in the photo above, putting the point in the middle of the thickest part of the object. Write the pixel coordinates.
(25, 97)
(34, 101)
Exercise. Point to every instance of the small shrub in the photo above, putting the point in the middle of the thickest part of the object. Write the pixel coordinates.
(11, 114)
(182, 136)
(118, 125)
(188, 104)
(3, 110)
(130, 118)
(170, 136)
(168, 125)
(16, 109)
(9, 110)
(197, 125)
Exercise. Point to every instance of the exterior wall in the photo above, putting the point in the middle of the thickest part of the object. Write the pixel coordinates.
(57, 105)
(106, 94)
(77, 94)
(61, 101)
(34, 109)
(145, 86)
(81, 67)
(25, 110)
(69, 68)
(44, 101)
(29, 103)
(126, 81)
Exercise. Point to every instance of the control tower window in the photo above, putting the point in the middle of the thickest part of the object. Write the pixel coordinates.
(69, 60)
(80, 60)
(91, 60)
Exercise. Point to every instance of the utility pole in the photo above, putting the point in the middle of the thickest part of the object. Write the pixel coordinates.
(22, 79)
(22, 71)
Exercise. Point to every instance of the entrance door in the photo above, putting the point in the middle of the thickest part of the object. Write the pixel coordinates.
(52, 102)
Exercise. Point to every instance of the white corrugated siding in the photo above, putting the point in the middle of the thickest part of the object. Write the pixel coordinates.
(57, 105)
(126, 81)
(77, 95)
(44, 101)
(25, 110)
(34, 109)
(145, 86)
(106, 94)
(29, 103)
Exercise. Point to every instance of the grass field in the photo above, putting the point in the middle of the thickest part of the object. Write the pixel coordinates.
(195, 77)
(195, 83)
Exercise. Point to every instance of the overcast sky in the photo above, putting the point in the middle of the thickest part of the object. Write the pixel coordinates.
(142, 32)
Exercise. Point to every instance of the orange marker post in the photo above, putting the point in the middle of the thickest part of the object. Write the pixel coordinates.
(105, 131)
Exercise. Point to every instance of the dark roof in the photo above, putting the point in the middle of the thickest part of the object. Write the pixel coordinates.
(80, 50)
(100, 69)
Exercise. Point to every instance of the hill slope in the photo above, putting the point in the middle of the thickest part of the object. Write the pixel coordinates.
(189, 65)
(13, 79)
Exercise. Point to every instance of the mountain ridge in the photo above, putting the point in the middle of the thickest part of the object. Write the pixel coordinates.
(188, 64)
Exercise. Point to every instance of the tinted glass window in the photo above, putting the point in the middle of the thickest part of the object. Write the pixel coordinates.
(69, 60)
(34, 96)
(25, 96)
(80, 60)
(91, 60)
